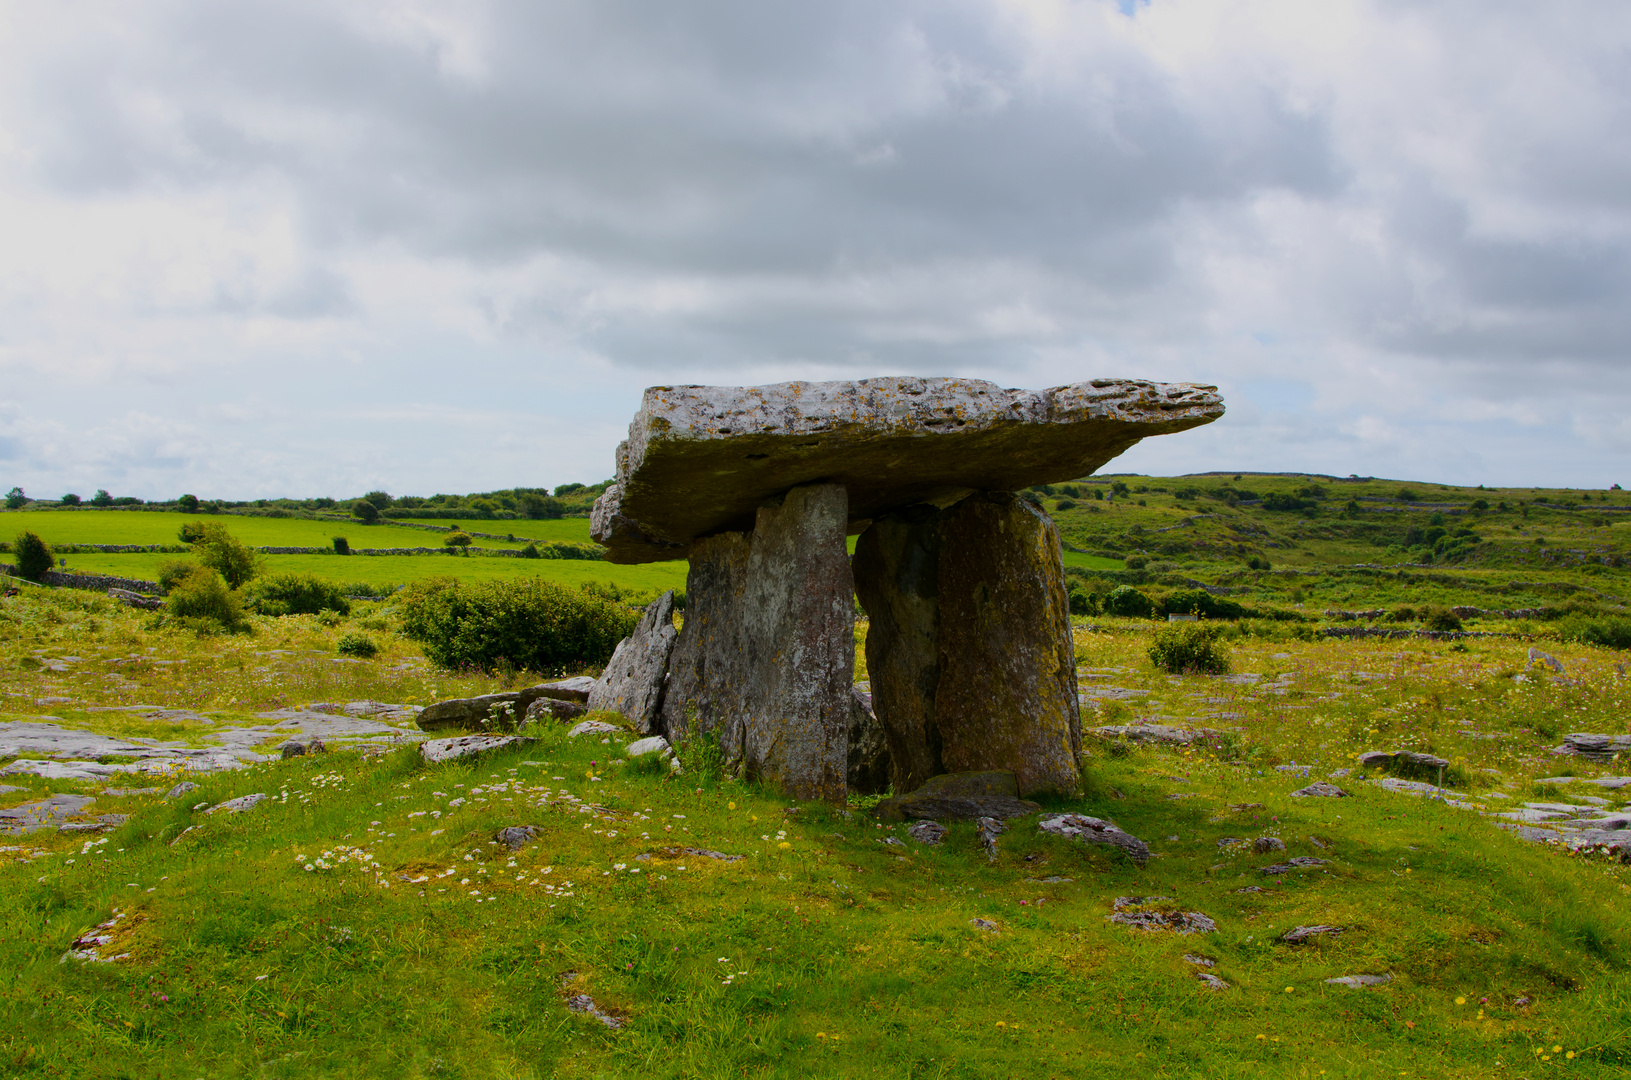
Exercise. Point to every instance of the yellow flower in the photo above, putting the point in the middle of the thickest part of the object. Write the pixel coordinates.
(784, 845)
(1262, 1038)
(1557, 1049)
(1460, 1001)
(730, 806)
(1001, 1023)
(1569, 1055)
(1289, 989)
(821, 1034)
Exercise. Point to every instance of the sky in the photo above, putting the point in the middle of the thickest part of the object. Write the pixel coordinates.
(304, 248)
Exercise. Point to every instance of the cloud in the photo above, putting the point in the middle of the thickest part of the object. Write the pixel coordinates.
(1417, 212)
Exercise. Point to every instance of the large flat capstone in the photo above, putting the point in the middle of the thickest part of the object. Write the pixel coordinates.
(700, 460)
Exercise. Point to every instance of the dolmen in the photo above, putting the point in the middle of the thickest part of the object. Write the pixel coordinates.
(969, 650)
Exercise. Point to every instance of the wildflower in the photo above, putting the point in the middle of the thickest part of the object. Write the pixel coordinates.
(730, 806)
(1460, 1001)
(784, 845)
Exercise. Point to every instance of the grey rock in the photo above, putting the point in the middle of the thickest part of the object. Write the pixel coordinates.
(437, 751)
(1594, 747)
(704, 853)
(136, 600)
(1301, 934)
(766, 657)
(487, 712)
(557, 709)
(1358, 982)
(578, 688)
(700, 460)
(983, 924)
(989, 829)
(890, 841)
(1229, 841)
(1265, 844)
(1091, 830)
(594, 727)
(1296, 862)
(238, 805)
(1153, 734)
(1151, 913)
(656, 744)
(295, 748)
(632, 683)
(41, 813)
(583, 1003)
(516, 837)
(85, 827)
(1319, 789)
(960, 797)
(928, 832)
(1546, 659)
(181, 790)
(1389, 759)
(1211, 981)
(868, 768)
(1006, 696)
(1199, 961)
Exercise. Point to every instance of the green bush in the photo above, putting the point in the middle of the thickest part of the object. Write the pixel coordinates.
(34, 558)
(187, 504)
(530, 552)
(1439, 617)
(171, 571)
(16, 499)
(1127, 601)
(204, 595)
(564, 549)
(457, 541)
(342, 546)
(295, 594)
(70, 499)
(1202, 603)
(1403, 614)
(226, 555)
(1191, 647)
(1612, 632)
(356, 645)
(530, 623)
(1136, 562)
(191, 532)
(365, 511)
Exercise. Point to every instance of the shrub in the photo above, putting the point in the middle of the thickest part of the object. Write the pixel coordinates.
(226, 555)
(171, 571)
(70, 499)
(342, 546)
(1439, 617)
(528, 623)
(365, 511)
(1182, 647)
(1136, 562)
(1065, 504)
(530, 552)
(15, 499)
(1128, 601)
(378, 500)
(356, 645)
(1257, 562)
(34, 558)
(1082, 603)
(1611, 632)
(1200, 602)
(1403, 614)
(191, 532)
(101, 498)
(535, 505)
(204, 595)
(457, 541)
(187, 503)
(296, 594)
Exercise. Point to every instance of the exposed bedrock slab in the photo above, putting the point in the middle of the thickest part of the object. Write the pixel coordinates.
(1006, 696)
(897, 577)
(765, 658)
(699, 460)
(632, 683)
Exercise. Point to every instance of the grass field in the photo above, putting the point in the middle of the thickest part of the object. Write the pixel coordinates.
(419, 948)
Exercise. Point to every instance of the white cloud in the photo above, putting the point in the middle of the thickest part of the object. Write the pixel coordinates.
(322, 247)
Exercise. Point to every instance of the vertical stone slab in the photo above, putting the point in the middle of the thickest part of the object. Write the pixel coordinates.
(897, 577)
(770, 661)
(632, 683)
(1006, 697)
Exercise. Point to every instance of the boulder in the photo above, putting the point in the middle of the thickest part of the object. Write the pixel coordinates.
(295, 748)
(499, 712)
(897, 578)
(960, 797)
(186, 787)
(558, 709)
(632, 683)
(238, 805)
(1545, 659)
(594, 727)
(656, 744)
(1407, 759)
(1594, 747)
(516, 837)
(1300, 934)
(437, 751)
(765, 659)
(1319, 789)
(1091, 830)
(700, 460)
(577, 688)
(927, 832)
(1006, 696)
(868, 771)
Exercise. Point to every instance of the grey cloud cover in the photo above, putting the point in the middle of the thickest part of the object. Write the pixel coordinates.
(261, 249)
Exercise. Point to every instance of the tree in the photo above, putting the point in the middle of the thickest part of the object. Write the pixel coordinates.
(70, 499)
(33, 557)
(188, 504)
(457, 541)
(15, 499)
(379, 499)
(224, 553)
(365, 511)
(101, 498)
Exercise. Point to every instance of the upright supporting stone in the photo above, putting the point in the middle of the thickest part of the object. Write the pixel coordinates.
(1006, 697)
(767, 653)
(632, 683)
(897, 577)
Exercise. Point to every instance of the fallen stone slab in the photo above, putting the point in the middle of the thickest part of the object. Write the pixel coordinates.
(633, 681)
(1358, 982)
(700, 460)
(1155, 913)
(438, 751)
(42, 813)
(1296, 862)
(577, 688)
(1320, 789)
(238, 805)
(1389, 759)
(960, 797)
(556, 709)
(490, 712)
(1300, 934)
(1091, 830)
(1593, 747)
(1153, 734)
